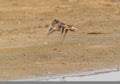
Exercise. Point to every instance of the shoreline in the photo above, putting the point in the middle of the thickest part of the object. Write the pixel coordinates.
(81, 74)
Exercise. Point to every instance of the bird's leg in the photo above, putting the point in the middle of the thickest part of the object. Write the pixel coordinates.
(65, 32)
(62, 30)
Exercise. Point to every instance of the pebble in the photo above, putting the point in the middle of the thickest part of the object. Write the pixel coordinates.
(31, 30)
(78, 44)
(19, 22)
(45, 43)
(54, 49)
(49, 73)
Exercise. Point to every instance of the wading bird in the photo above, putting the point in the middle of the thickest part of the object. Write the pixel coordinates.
(57, 25)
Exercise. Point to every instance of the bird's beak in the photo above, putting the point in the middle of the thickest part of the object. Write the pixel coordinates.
(50, 30)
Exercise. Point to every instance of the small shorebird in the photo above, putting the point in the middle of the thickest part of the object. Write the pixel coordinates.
(57, 25)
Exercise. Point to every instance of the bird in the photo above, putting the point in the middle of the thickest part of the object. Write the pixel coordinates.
(63, 28)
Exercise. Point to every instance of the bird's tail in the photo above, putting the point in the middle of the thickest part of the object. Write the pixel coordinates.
(73, 28)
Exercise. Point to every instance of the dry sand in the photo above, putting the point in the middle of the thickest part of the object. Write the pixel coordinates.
(25, 51)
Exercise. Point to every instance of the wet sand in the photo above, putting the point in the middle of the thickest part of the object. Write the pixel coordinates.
(109, 74)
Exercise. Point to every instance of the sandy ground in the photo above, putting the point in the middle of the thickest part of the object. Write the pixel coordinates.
(23, 49)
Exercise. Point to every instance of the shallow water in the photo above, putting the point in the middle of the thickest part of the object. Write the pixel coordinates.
(112, 74)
